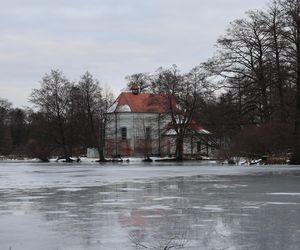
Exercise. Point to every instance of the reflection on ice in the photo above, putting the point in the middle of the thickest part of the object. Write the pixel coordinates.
(88, 207)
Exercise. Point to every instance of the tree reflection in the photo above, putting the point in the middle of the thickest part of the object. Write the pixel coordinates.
(167, 237)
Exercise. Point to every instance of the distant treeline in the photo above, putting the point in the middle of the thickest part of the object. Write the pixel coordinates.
(257, 63)
(247, 95)
(67, 118)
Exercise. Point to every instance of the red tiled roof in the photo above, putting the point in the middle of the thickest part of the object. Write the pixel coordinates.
(140, 103)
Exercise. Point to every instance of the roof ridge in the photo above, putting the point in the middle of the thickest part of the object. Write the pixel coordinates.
(141, 103)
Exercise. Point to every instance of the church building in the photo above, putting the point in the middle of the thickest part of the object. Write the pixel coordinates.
(139, 125)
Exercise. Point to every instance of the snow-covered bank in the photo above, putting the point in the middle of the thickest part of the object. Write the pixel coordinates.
(238, 161)
(265, 160)
(95, 160)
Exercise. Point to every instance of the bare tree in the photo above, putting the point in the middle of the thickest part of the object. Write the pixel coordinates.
(243, 60)
(53, 99)
(95, 104)
(5, 135)
(256, 65)
(184, 92)
(18, 125)
(292, 13)
(40, 143)
(143, 80)
(273, 21)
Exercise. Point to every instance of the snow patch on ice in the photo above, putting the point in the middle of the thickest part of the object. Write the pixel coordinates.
(166, 198)
(173, 187)
(292, 194)
(130, 189)
(250, 207)
(222, 186)
(213, 208)
(196, 207)
(70, 189)
(198, 225)
(126, 200)
(228, 186)
(152, 216)
(156, 207)
(238, 214)
(282, 203)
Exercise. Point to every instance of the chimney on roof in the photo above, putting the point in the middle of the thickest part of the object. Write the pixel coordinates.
(135, 89)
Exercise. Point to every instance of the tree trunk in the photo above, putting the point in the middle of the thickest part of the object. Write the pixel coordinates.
(279, 76)
(179, 148)
(63, 141)
(265, 107)
(280, 81)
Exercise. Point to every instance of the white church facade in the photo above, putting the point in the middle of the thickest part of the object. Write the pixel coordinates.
(138, 126)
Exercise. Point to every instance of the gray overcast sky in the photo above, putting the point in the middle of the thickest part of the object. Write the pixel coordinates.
(109, 38)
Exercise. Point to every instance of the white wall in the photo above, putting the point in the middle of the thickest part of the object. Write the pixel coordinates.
(92, 153)
(135, 124)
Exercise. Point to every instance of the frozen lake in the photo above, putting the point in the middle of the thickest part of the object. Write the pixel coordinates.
(150, 206)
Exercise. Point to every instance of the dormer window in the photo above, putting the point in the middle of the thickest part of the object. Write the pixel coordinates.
(135, 89)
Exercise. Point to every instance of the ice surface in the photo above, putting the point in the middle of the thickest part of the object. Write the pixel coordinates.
(91, 206)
